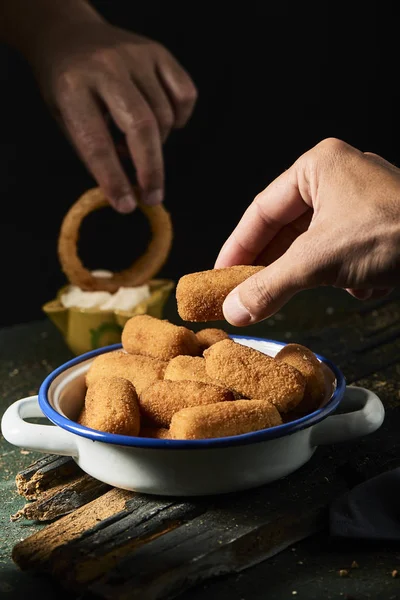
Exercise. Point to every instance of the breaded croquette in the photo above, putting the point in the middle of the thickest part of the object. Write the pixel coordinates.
(159, 402)
(254, 374)
(158, 433)
(305, 361)
(221, 420)
(200, 295)
(111, 405)
(188, 368)
(143, 334)
(82, 417)
(141, 370)
(208, 337)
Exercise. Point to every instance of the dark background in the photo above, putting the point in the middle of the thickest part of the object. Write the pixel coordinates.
(272, 83)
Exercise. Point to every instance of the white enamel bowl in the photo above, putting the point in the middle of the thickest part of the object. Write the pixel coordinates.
(187, 467)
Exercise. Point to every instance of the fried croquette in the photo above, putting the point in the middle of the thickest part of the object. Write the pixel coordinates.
(143, 334)
(82, 417)
(188, 368)
(208, 337)
(111, 405)
(223, 419)
(305, 361)
(159, 402)
(140, 370)
(254, 374)
(158, 433)
(200, 295)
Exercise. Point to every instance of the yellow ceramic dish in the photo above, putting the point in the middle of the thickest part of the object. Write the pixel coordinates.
(86, 329)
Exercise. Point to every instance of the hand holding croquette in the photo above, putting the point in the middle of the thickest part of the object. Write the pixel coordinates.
(332, 218)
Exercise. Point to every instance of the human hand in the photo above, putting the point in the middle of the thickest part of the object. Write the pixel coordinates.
(333, 218)
(89, 71)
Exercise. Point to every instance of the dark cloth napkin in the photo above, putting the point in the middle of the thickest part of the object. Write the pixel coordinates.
(369, 511)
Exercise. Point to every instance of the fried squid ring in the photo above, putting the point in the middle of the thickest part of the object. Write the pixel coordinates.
(140, 272)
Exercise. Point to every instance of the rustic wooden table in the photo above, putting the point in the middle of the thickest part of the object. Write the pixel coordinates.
(279, 548)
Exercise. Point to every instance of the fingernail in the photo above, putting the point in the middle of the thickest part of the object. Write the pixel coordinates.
(153, 197)
(234, 310)
(126, 204)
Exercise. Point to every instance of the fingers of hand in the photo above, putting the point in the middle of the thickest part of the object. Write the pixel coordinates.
(88, 132)
(158, 101)
(134, 117)
(179, 87)
(146, 92)
(279, 204)
(284, 239)
(265, 293)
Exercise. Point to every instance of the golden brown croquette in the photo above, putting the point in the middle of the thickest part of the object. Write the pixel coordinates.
(188, 368)
(111, 405)
(200, 295)
(141, 370)
(143, 334)
(162, 399)
(253, 374)
(223, 419)
(209, 336)
(305, 361)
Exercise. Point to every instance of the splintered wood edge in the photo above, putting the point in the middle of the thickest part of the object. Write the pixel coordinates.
(62, 499)
(44, 474)
(36, 549)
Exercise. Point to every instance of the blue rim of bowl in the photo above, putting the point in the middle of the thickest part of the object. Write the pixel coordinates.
(152, 443)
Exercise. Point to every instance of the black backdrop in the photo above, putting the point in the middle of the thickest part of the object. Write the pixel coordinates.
(272, 83)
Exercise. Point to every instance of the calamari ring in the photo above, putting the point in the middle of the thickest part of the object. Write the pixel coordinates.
(140, 272)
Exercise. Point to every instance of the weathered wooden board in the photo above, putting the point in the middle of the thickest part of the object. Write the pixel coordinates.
(185, 540)
(124, 545)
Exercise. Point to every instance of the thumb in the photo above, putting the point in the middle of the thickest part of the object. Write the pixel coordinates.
(263, 294)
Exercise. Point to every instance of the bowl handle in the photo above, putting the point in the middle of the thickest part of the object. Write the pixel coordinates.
(41, 438)
(365, 414)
